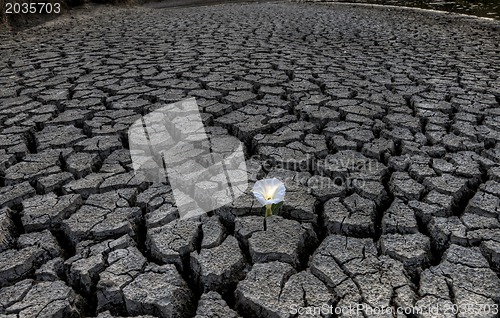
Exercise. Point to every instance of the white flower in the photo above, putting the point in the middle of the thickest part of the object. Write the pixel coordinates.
(269, 191)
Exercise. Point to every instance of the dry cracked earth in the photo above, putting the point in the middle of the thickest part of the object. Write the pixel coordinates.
(385, 125)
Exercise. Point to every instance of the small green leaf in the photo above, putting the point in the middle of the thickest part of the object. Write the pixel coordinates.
(275, 207)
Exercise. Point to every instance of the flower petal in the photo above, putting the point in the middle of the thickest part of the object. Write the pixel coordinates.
(258, 187)
(273, 182)
(280, 193)
(260, 197)
(273, 201)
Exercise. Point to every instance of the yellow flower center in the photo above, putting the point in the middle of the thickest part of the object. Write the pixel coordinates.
(269, 193)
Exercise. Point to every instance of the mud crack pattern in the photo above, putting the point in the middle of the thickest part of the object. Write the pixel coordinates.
(385, 125)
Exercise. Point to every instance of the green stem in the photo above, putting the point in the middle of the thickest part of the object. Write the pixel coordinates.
(269, 210)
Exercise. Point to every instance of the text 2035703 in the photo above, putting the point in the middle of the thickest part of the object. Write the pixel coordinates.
(32, 7)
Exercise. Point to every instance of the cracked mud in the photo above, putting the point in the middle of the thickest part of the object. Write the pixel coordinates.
(384, 125)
